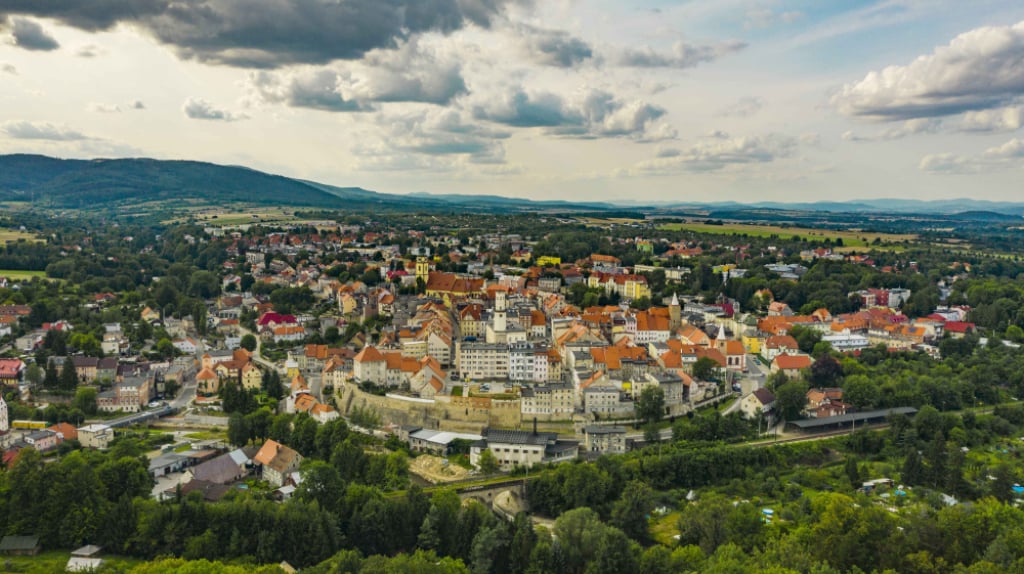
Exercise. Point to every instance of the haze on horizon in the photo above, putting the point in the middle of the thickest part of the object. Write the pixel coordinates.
(654, 100)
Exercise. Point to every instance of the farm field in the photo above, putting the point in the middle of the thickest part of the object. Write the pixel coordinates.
(12, 235)
(851, 238)
(15, 274)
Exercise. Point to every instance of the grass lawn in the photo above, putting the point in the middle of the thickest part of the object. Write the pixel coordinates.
(54, 562)
(664, 528)
(851, 238)
(16, 274)
(207, 435)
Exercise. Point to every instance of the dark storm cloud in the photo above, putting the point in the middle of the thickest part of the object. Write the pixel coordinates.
(30, 35)
(269, 33)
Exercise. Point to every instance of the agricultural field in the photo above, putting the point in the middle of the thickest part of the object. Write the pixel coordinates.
(13, 235)
(244, 217)
(852, 239)
(18, 275)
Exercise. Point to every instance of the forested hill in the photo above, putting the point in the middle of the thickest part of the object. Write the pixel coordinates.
(104, 183)
(84, 183)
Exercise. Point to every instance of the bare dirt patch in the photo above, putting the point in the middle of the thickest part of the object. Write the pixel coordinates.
(434, 470)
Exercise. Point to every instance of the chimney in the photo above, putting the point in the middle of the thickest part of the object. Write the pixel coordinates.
(534, 426)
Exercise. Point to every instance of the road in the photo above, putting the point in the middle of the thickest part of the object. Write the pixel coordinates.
(256, 353)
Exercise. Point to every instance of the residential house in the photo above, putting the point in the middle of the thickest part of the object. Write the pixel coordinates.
(599, 439)
(791, 365)
(225, 469)
(514, 448)
(86, 368)
(759, 402)
(11, 371)
(776, 345)
(95, 436)
(277, 461)
(554, 401)
(42, 440)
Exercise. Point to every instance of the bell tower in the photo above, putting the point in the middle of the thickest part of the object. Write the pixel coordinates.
(422, 268)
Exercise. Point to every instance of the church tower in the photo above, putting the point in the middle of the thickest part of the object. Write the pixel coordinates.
(422, 268)
(5, 423)
(500, 320)
(674, 314)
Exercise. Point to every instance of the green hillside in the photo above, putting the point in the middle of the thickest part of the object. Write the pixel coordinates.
(77, 183)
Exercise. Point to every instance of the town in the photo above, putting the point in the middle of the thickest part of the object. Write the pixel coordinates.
(443, 357)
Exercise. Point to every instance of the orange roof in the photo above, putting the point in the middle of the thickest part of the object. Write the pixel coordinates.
(321, 408)
(69, 431)
(537, 318)
(713, 354)
(369, 354)
(734, 348)
(304, 402)
(451, 283)
(672, 360)
(781, 342)
(788, 362)
(206, 374)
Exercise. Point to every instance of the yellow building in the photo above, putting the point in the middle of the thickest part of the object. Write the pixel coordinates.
(752, 345)
(547, 260)
(423, 268)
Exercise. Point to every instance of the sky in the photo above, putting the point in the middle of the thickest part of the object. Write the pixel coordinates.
(630, 101)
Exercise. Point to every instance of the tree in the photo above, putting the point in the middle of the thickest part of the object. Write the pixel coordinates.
(826, 371)
(852, 472)
(806, 338)
(86, 343)
(165, 348)
(524, 538)
(913, 470)
(615, 554)
(790, 400)
(579, 532)
(239, 431)
(630, 511)
(52, 378)
(68, 376)
(860, 392)
(1002, 486)
(248, 342)
(85, 400)
(322, 483)
(487, 462)
(34, 374)
(650, 406)
(705, 369)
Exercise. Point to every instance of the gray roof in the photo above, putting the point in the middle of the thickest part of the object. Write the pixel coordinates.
(238, 455)
(87, 550)
(852, 417)
(602, 429)
(519, 437)
(168, 459)
(18, 543)
(220, 470)
(441, 437)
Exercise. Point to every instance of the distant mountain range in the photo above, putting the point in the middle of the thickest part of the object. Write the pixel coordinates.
(970, 207)
(103, 183)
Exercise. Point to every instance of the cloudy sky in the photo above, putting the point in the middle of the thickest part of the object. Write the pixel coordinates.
(700, 100)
